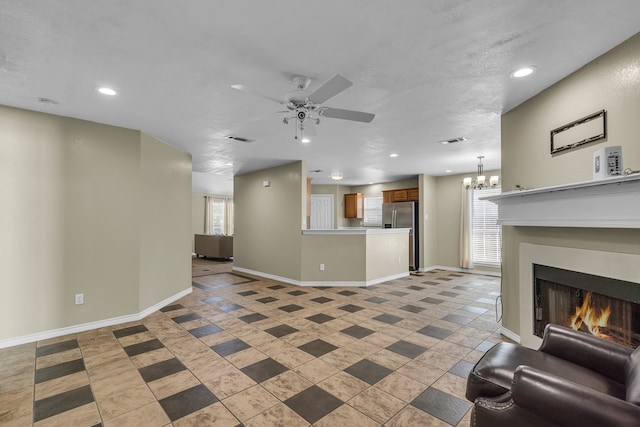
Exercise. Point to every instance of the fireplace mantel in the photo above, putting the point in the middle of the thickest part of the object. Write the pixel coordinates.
(609, 203)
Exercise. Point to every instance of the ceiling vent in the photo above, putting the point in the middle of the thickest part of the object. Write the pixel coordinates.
(453, 140)
(238, 138)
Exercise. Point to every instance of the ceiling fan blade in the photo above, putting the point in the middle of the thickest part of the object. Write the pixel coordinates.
(247, 89)
(330, 89)
(356, 116)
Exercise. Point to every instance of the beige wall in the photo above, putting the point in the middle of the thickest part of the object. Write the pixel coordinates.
(70, 221)
(448, 205)
(610, 82)
(344, 258)
(165, 222)
(428, 217)
(269, 220)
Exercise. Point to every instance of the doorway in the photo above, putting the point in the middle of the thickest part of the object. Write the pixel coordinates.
(322, 211)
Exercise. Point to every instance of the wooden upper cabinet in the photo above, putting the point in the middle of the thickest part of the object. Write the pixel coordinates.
(353, 205)
(309, 196)
(403, 195)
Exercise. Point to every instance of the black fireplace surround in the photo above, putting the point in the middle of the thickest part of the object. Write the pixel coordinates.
(559, 294)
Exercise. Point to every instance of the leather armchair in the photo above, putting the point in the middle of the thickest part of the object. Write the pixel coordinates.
(573, 379)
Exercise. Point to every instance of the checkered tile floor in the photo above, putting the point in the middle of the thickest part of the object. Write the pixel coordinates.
(243, 351)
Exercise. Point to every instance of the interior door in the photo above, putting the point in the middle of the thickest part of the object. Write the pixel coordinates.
(321, 211)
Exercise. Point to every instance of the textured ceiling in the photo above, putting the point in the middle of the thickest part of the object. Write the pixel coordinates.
(428, 69)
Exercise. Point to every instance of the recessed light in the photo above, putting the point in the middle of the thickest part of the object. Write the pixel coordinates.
(306, 140)
(106, 91)
(393, 155)
(523, 72)
(448, 171)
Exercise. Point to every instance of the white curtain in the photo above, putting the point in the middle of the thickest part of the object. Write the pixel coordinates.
(228, 216)
(207, 214)
(466, 260)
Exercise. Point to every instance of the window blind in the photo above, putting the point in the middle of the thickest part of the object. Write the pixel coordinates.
(486, 233)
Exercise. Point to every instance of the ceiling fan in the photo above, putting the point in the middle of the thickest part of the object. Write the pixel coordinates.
(303, 105)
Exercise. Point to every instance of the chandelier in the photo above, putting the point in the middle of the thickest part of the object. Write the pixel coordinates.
(480, 181)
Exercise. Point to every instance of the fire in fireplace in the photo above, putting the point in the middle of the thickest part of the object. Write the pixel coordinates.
(605, 307)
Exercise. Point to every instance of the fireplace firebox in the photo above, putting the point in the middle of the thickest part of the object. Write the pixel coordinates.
(605, 307)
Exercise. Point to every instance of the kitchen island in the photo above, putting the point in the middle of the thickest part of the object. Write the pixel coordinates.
(354, 256)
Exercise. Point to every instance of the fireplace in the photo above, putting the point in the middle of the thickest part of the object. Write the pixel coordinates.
(606, 307)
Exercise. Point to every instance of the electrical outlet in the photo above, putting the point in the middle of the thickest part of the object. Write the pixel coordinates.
(79, 299)
(321, 267)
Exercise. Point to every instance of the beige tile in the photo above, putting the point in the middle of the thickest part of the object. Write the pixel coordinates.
(220, 337)
(342, 358)
(343, 385)
(82, 416)
(452, 384)
(316, 370)
(451, 349)
(412, 416)
(172, 384)
(136, 338)
(277, 416)
(438, 360)
(151, 357)
(291, 357)
(377, 404)
(215, 415)
(246, 357)
(389, 359)
(345, 415)
(421, 372)
(250, 402)
(474, 356)
(227, 382)
(150, 415)
(402, 387)
(105, 383)
(380, 339)
(16, 407)
(61, 384)
(286, 385)
(422, 340)
(123, 400)
(57, 358)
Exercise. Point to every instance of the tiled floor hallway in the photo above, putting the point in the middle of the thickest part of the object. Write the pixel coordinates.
(246, 351)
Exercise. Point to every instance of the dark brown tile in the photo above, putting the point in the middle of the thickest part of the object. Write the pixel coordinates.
(59, 370)
(171, 308)
(321, 300)
(297, 293)
(320, 318)
(376, 300)
(317, 347)
(454, 318)
(247, 293)
(351, 308)
(435, 332)
(211, 300)
(347, 293)
(230, 307)
(143, 347)
(186, 317)
(187, 402)
(444, 406)
(267, 300)
(230, 347)
(204, 331)
(59, 347)
(264, 369)
(368, 371)
(357, 331)
(255, 317)
(388, 318)
(462, 369)
(276, 287)
(161, 369)
(62, 402)
(430, 300)
(412, 308)
(290, 308)
(449, 294)
(406, 349)
(281, 330)
(398, 293)
(313, 403)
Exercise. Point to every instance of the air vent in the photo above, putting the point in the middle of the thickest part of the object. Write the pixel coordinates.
(316, 171)
(238, 138)
(453, 140)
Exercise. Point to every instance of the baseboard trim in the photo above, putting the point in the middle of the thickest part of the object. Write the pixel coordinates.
(510, 334)
(462, 270)
(53, 333)
(307, 283)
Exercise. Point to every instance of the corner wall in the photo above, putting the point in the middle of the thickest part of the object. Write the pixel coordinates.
(268, 220)
(611, 82)
(74, 200)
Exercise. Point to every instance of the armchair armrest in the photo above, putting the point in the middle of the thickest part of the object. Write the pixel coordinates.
(566, 403)
(604, 357)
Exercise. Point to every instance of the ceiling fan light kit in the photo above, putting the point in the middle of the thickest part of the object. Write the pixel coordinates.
(304, 106)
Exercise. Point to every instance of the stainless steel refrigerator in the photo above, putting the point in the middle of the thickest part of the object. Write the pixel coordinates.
(404, 215)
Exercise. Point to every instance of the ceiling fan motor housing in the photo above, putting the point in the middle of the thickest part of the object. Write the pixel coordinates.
(302, 114)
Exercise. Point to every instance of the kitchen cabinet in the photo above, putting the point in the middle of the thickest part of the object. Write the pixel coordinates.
(402, 195)
(353, 205)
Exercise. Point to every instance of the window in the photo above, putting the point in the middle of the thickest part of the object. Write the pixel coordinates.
(487, 234)
(218, 215)
(372, 211)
